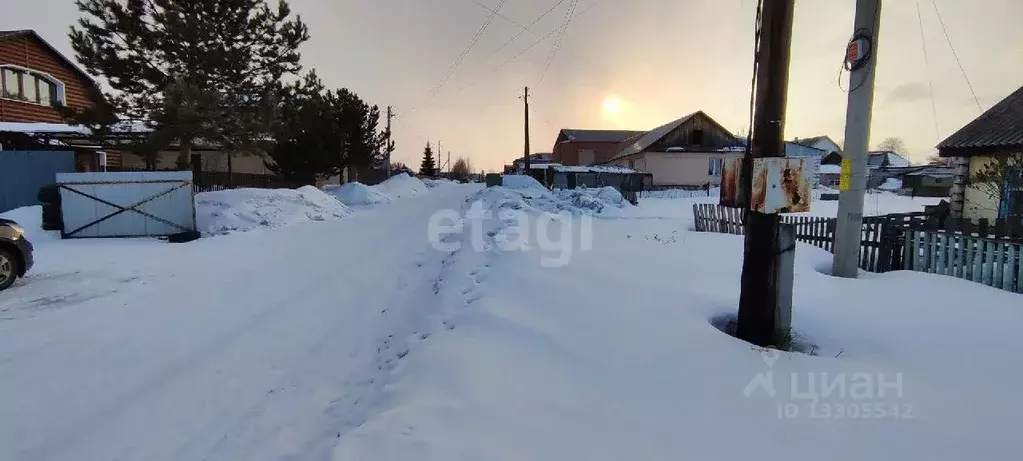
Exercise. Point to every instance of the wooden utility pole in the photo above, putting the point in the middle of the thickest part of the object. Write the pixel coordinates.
(388, 146)
(525, 152)
(758, 303)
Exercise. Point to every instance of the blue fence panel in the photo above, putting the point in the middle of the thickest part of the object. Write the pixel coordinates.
(22, 173)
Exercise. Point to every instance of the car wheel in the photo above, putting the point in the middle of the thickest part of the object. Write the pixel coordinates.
(9, 269)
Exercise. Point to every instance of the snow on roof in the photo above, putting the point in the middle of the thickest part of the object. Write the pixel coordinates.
(572, 134)
(831, 169)
(593, 169)
(127, 126)
(32, 128)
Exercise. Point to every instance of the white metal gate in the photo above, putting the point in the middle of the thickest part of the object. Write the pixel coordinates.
(128, 204)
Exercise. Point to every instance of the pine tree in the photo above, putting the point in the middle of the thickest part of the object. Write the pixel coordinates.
(308, 135)
(194, 69)
(428, 168)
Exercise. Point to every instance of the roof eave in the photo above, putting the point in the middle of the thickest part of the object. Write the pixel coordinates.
(971, 151)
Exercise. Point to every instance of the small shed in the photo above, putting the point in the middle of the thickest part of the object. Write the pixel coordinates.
(626, 180)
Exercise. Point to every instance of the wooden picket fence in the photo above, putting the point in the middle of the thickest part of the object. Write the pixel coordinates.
(995, 263)
(880, 244)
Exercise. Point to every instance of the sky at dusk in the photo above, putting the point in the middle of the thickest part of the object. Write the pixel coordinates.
(630, 64)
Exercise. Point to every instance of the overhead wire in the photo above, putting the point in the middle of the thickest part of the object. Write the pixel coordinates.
(465, 52)
(527, 49)
(557, 41)
(522, 29)
(948, 39)
(927, 69)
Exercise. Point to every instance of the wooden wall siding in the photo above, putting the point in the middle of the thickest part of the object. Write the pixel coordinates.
(29, 53)
(713, 135)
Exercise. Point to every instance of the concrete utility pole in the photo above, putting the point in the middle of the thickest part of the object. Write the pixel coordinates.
(861, 61)
(525, 153)
(758, 320)
(387, 146)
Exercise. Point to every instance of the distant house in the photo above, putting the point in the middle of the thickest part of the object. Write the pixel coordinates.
(815, 155)
(587, 147)
(34, 80)
(688, 152)
(882, 159)
(996, 137)
(823, 143)
(541, 158)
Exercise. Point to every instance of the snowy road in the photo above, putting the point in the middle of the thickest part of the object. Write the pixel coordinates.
(257, 346)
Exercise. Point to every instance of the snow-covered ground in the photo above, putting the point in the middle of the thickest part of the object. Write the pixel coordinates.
(468, 324)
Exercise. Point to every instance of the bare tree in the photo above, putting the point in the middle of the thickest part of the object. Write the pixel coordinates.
(461, 169)
(893, 144)
(1001, 179)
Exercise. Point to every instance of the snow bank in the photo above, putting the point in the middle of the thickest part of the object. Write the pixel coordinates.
(31, 218)
(538, 198)
(357, 194)
(891, 184)
(432, 183)
(240, 210)
(402, 186)
(520, 181)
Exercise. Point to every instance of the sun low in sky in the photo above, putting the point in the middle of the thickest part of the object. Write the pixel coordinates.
(612, 109)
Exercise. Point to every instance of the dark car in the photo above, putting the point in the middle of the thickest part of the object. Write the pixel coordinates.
(15, 253)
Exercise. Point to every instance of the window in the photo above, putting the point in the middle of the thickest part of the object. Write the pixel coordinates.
(632, 164)
(715, 166)
(12, 83)
(28, 88)
(26, 85)
(47, 91)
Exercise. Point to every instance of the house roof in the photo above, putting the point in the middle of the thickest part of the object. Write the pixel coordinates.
(809, 142)
(637, 143)
(12, 34)
(571, 134)
(877, 159)
(998, 130)
(640, 142)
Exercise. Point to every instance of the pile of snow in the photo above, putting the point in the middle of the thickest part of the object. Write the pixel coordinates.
(357, 194)
(240, 210)
(538, 198)
(891, 184)
(402, 186)
(432, 183)
(520, 181)
(31, 219)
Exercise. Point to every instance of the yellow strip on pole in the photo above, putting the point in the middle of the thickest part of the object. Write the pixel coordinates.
(846, 176)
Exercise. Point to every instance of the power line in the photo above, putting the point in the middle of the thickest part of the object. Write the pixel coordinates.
(557, 42)
(528, 28)
(944, 30)
(522, 29)
(927, 69)
(527, 49)
(465, 52)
